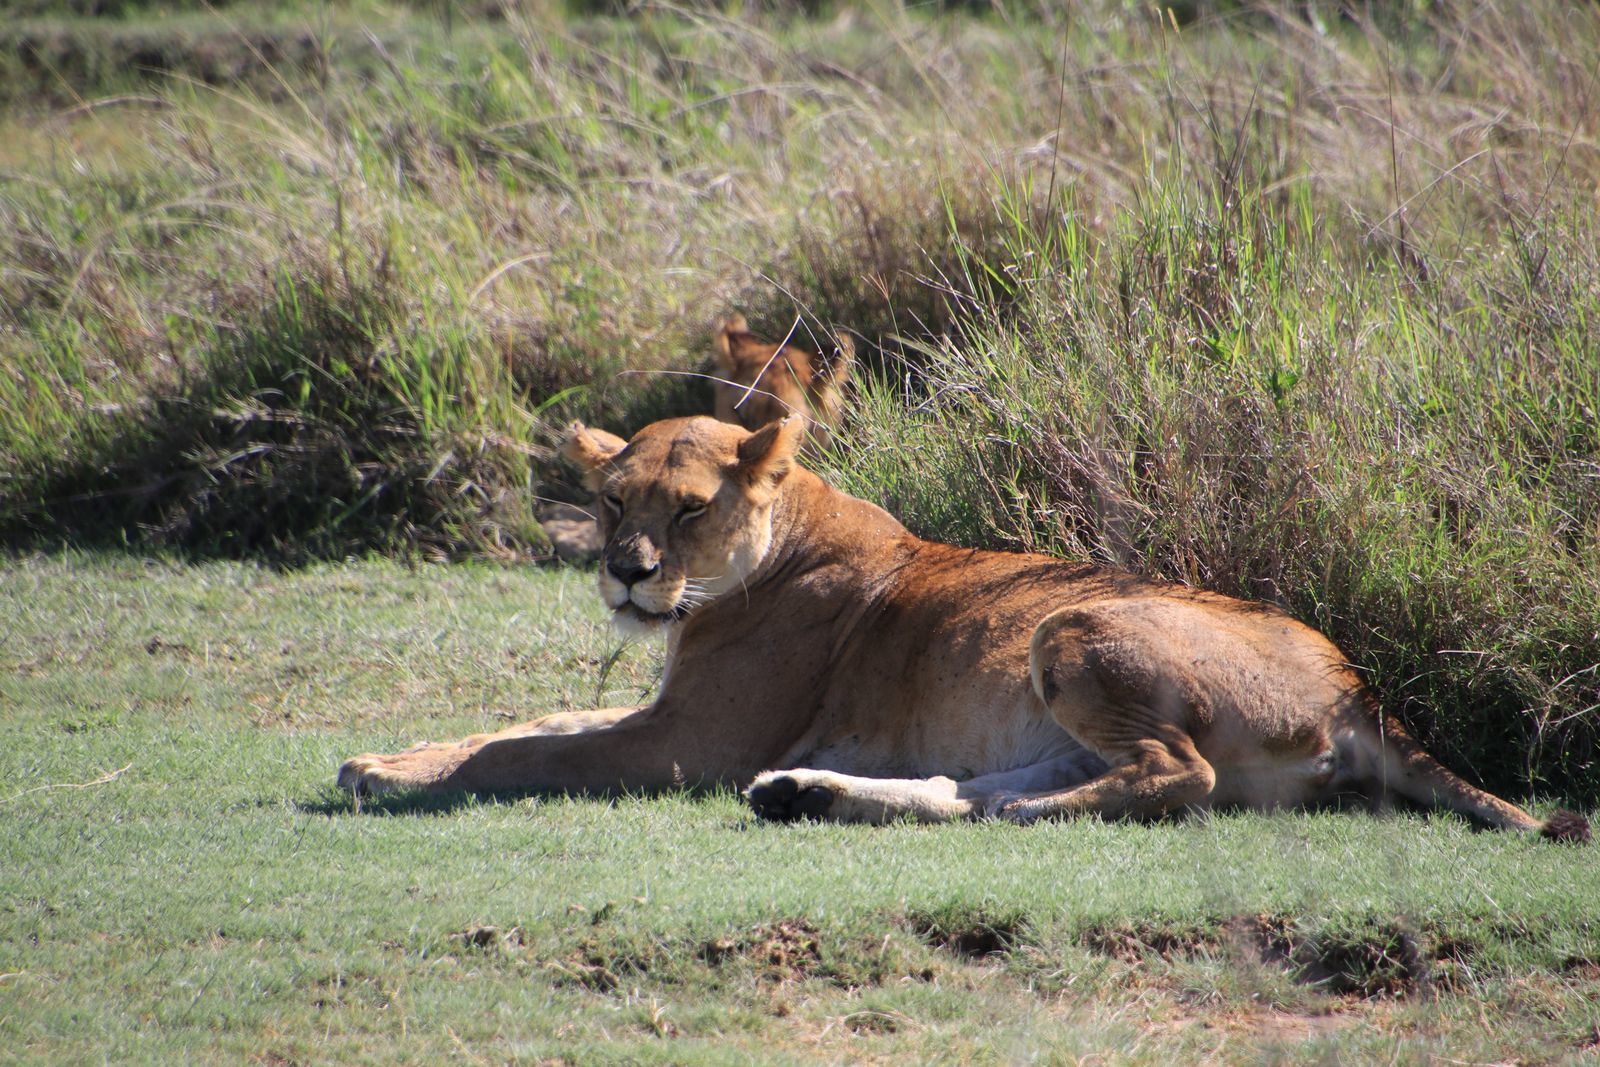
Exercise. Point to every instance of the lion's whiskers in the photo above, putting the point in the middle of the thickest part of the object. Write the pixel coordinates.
(695, 593)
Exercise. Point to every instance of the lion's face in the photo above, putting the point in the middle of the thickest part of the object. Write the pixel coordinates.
(761, 382)
(685, 509)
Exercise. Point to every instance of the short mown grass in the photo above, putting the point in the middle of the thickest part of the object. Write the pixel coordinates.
(179, 880)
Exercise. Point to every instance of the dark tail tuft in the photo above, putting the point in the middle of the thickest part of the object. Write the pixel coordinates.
(1564, 825)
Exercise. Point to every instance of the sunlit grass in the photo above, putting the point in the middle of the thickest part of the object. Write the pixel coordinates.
(1291, 303)
(179, 879)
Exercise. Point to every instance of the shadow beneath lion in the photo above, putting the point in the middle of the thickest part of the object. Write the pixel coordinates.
(332, 803)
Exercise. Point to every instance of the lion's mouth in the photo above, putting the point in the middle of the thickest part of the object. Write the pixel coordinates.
(677, 613)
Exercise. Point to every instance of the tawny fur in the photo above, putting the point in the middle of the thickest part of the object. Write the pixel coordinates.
(763, 383)
(885, 676)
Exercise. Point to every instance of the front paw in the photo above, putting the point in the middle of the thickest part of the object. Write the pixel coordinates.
(779, 796)
(423, 767)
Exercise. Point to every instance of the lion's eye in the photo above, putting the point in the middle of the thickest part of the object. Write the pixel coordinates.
(612, 503)
(691, 511)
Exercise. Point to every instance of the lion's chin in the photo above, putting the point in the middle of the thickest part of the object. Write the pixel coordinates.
(630, 618)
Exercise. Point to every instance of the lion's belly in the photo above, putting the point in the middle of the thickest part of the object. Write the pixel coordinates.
(959, 735)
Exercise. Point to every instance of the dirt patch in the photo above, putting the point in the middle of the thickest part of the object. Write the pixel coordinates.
(600, 968)
(1133, 942)
(338, 990)
(158, 645)
(787, 950)
(270, 1058)
(1455, 949)
(490, 937)
(971, 934)
(875, 1022)
(1385, 963)
(1453, 960)
(1385, 960)
(1583, 967)
(1290, 1027)
(774, 954)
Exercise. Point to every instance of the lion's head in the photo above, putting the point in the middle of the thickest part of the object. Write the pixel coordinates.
(762, 382)
(685, 509)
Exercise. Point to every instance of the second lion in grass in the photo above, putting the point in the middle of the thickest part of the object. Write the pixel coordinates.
(762, 382)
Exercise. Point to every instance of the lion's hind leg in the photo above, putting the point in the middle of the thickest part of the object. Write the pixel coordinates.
(1161, 777)
(1105, 675)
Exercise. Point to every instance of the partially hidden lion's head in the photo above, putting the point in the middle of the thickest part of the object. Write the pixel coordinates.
(685, 509)
(762, 382)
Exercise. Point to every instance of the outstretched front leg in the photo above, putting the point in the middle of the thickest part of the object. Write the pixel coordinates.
(444, 765)
(651, 749)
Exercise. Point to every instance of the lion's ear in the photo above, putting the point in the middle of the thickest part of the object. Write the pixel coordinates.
(734, 323)
(767, 456)
(836, 364)
(592, 450)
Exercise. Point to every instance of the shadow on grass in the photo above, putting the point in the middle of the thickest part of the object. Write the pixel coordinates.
(333, 803)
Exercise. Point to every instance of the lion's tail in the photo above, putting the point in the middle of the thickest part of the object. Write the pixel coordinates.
(1395, 762)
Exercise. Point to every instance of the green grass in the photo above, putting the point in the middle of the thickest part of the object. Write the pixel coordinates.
(1335, 437)
(1293, 302)
(178, 880)
(1283, 302)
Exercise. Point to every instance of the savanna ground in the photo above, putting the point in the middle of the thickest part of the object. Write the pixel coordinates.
(180, 881)
(1297, 302)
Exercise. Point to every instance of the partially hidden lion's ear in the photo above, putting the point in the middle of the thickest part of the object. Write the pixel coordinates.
(767, 456)
(592, 450)
(836, 364)
(734, 323)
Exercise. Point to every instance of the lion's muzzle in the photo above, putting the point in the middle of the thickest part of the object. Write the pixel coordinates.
(632, 560)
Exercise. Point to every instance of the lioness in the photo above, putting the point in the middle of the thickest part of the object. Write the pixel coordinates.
(883, 675)
(763, 382)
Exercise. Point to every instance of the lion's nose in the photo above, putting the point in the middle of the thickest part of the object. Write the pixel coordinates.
(631, 573)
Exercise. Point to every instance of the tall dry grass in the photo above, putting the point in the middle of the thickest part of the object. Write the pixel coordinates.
(1335, 348)
(510, 222)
